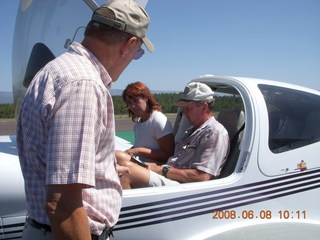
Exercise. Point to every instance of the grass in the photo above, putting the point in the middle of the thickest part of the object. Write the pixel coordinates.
(116, 116)
(7, 120)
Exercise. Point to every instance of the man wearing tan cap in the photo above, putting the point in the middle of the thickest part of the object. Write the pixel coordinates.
(199, 156)
(65, 132)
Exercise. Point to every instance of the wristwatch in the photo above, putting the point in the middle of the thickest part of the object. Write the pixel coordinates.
(165, 170)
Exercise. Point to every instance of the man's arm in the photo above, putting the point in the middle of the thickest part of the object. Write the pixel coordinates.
(188, 175)
(65, 210)
(183, 175)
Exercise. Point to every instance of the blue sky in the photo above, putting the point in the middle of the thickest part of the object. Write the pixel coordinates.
(8, 12)
(274, 39)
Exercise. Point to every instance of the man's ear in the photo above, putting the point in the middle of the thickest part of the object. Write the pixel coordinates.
(128, 45)
(205, 105)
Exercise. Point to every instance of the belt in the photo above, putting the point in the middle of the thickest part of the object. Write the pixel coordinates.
(37, 225)
(107, 232)
(104, 235)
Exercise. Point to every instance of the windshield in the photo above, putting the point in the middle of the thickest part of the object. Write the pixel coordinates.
(294, 118)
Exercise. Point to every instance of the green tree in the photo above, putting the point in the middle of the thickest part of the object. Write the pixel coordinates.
(7, 111)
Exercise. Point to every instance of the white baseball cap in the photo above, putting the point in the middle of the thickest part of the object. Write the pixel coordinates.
(195, 92)
(129, 17)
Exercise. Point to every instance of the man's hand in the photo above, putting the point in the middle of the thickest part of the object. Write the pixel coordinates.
(134, 151)
(122, 170)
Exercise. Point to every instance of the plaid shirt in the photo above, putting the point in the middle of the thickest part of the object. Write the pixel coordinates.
(205, 148)
(66, 135)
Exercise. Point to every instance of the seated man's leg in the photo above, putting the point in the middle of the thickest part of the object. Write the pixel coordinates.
(122, 157)
(156, 180)
(136, 176)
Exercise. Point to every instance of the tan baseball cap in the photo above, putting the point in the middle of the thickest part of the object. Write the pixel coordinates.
(195, 92)
(129, 17)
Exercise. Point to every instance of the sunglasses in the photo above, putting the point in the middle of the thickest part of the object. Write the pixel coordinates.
(138, 54)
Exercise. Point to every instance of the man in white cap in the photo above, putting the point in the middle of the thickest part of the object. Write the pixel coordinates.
(199, 156)
(66, 133)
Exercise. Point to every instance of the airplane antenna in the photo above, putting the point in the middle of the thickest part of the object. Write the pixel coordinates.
(68, 41)
(142, 3)
(92, 4)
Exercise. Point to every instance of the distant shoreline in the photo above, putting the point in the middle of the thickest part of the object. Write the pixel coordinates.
(6, 97)
(123, 123)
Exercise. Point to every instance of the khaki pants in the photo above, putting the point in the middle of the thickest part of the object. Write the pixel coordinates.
(33, 233)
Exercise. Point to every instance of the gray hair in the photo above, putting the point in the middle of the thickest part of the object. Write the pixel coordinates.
(210, 104)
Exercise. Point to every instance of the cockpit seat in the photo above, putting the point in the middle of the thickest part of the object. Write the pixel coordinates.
(283, 131)
(234, 121)
(311, 130)
(180, 126)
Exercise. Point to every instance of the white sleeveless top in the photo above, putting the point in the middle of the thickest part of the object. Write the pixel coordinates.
(148, 132)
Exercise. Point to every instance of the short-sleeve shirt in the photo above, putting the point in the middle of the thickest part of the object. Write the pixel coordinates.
(148, 132)
(205, 148)
(66, 135)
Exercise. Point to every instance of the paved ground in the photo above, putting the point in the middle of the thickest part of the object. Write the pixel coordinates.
(122, 124)
(8, 128)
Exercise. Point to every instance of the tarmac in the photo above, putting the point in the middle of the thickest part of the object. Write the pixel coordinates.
(122, 124)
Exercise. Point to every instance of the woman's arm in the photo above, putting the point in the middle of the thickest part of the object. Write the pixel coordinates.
(166, 144)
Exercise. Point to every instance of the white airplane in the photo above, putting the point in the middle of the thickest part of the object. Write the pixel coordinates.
(268, 189)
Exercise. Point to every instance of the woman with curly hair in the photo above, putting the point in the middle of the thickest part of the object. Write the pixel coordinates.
(154, 140)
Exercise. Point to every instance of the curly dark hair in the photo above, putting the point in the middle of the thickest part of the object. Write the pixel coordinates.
(138, 89)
